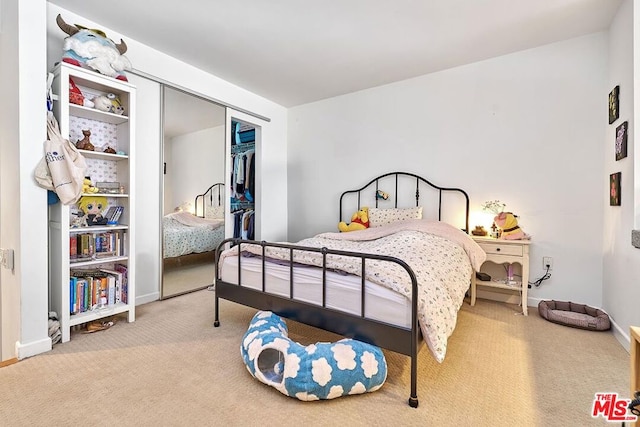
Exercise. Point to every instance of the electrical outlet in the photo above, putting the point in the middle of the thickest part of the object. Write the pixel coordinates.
(547, 262)
(6, 258)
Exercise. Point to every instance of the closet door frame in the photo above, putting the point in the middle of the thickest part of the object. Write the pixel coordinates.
(163, 87)
(238, 116)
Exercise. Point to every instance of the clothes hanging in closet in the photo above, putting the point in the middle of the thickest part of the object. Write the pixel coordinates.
(243, 175)
(243, 224)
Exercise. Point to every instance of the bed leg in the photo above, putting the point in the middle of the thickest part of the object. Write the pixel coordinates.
(216, 321)
(413, 398)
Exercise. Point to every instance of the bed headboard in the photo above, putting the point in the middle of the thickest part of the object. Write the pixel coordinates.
(213, 196)
(404, 190)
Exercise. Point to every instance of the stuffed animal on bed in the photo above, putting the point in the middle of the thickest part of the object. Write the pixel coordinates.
(359, 221)
(508, 223)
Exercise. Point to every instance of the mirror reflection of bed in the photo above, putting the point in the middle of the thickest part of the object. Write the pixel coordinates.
(193, 190)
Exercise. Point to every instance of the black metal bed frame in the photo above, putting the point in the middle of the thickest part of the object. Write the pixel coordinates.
(418, 179)
(395, 338)
(209, 191)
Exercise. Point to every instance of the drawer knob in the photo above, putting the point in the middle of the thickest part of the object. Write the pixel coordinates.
(497, 249)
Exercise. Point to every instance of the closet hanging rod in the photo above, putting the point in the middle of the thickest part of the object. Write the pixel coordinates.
(197, 95)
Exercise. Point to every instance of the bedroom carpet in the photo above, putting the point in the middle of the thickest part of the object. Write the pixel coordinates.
(171, 367)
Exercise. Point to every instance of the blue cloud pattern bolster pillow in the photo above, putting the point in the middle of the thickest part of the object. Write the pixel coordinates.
(317, 371)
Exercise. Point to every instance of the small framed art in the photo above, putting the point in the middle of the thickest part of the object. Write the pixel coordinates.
(614, 186)
(621, 141)
(614, 103)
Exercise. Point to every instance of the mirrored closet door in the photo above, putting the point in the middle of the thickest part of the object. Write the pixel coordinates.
(193, 190)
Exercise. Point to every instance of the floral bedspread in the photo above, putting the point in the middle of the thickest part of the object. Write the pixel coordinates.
(442, 258)
(187, 234)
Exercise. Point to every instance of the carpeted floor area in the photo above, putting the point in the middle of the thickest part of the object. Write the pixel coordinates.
(173, 368)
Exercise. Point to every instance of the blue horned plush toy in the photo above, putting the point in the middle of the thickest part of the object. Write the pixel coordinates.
(315, 372)
(92, 49)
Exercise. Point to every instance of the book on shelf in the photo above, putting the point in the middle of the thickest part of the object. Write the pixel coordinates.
(124, 288)
(113, 214)
(100, 245)
(111, 290)
(94, 288)
(110, 212)
(73, 281)
(117, 284)
(73, 247)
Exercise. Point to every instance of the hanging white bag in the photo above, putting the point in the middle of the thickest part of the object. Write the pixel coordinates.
(63, 168)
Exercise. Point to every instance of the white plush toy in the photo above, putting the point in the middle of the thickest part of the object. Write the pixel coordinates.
(92, 49)
(102, 103)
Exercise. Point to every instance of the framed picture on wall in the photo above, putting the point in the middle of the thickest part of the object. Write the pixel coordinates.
(614, 102)
(621, 141)
(614, 186)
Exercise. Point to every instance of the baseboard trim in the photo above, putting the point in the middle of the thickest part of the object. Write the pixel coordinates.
(33, 348)
(623, 338)
(144, 299)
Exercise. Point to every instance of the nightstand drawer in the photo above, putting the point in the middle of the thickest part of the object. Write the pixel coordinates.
(501, 249)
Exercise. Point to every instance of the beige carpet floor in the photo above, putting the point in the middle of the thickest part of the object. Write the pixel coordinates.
(171, 367)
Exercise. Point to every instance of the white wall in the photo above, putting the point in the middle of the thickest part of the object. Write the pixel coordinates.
(525, 128)
(196, 162)
(621, 261)
(23, 293)
(148, 170)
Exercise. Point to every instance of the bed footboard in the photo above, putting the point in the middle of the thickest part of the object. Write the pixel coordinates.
(395, 338)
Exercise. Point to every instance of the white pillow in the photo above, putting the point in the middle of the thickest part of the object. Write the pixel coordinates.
(379, 217)
(215, 212)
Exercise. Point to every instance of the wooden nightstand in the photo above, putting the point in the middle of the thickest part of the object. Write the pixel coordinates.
(501, 253)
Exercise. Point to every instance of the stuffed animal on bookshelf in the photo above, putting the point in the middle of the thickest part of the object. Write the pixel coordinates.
(92, 208)
(88, 188)
(85, 142)
(102, 103)
(92, 49)
(76, 96)
(78, 220)
(359, 221)
(116, 105)
(508, 224)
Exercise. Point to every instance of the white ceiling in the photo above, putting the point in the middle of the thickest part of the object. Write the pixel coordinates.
(294, 52)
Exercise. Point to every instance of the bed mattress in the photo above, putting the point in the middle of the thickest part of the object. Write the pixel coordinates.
(343, 290)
